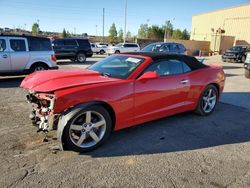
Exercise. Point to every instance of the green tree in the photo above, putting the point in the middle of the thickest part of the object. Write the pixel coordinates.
(143, 31)
(128, 35)
(185, 35)
(65, 34)
(35, 28)
(112, 33)
(177, 34)
(120, 35)
(156, 32)
(168, 29)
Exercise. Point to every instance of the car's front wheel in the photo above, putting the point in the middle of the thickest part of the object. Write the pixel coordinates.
(207, 101)
(87, 129)
(81, 57)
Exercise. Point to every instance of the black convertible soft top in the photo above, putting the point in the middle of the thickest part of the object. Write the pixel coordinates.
(192, 62)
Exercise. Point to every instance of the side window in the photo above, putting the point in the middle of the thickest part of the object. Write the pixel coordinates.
(182, 49)
(58, 43)
(164, 48)
(166, 67)
(186, 68)
(126, 45)
(36, 44)
(70, 43)
(18, 45)
(2, 45)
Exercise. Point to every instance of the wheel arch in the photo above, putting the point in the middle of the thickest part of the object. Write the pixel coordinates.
(32, 63)
(75, 109)
(217, 87)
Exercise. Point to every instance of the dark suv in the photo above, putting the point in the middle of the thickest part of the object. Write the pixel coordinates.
(236, 54)
(166, 47)
(73, 49)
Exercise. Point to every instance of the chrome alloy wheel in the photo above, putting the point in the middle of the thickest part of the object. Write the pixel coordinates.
(87, 129)
(209, 100)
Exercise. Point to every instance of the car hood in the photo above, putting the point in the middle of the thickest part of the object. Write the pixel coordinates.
(52, 80)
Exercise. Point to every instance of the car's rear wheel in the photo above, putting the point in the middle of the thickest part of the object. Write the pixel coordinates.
(102, 52)
(87, 129)
(38, 67)
(117, 52)
(81, 57)
(207, 101)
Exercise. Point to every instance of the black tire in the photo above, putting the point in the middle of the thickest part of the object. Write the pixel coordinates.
(67, 142)
(102, 52)
(200, 107)
(81, 57)
(243, 59)
(38, 67)
(117, 52)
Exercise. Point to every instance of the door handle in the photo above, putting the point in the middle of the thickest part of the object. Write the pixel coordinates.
(184, 81)
(5, 56)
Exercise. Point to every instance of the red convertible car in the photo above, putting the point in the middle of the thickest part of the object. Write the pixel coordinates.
(120, 91)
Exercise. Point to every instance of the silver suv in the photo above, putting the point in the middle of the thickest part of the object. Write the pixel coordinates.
(25, 54)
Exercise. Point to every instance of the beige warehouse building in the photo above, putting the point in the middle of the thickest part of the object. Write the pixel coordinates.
(235, 21)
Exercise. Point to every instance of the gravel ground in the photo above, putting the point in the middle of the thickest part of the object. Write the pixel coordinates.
(180, 151)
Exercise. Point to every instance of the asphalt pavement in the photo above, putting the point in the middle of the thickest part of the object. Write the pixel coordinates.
(185, 150)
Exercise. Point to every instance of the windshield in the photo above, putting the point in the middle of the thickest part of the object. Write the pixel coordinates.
(152, 48)
(236, 48)
(117, 66)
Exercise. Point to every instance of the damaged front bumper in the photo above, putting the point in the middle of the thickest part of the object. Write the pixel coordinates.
(42, 114)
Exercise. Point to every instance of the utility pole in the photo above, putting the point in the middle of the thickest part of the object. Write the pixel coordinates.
(125, 23)
(96, 31)
(103, 15)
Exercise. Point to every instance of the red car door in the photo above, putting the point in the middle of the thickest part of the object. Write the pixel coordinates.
(161, 96)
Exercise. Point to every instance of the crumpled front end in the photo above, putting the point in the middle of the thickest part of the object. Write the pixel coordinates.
(42, 114)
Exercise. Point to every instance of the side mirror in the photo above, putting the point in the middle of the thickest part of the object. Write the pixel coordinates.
(148, 75)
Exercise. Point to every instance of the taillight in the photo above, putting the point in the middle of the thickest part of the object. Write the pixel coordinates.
(53, 57)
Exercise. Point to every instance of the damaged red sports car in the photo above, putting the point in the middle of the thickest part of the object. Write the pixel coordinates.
(120, 91)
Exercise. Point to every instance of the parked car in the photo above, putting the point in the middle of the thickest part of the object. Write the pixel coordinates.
(25, 54)
(98, 49)
(102, 44)
(123, 48)
(247, 66)
(236, 54)
(166, 47)
(120, 91)
(73, 49)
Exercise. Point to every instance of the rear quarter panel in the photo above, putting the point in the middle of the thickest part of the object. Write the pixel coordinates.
(40, 56)
(200, 79)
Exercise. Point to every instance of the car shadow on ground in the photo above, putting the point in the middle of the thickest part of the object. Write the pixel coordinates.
(187, 131)
(11, 82)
